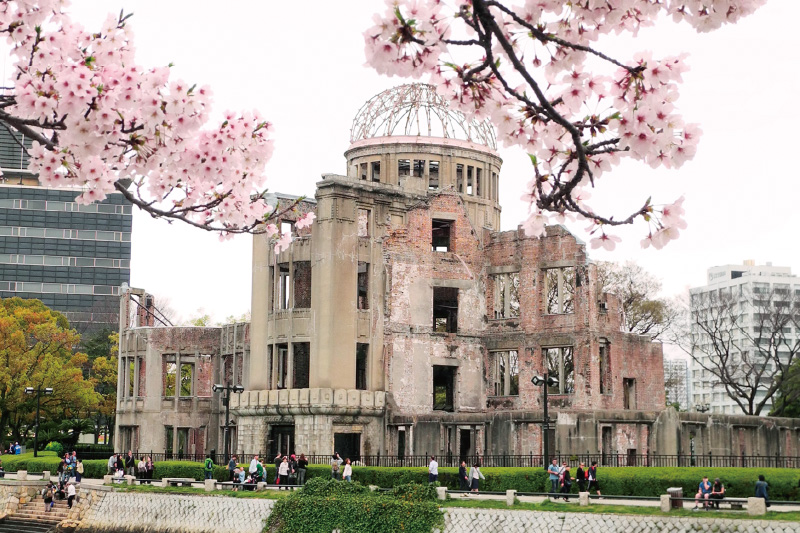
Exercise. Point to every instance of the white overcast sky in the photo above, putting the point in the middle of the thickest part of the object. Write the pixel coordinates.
(301, 65)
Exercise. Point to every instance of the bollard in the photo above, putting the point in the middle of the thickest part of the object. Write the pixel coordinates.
(46, 475)
(210, 485)
(441, 493)
(130, 480)
(583, 499)
(756, 506)
(511, 496)
(22, 475)
(666, 503)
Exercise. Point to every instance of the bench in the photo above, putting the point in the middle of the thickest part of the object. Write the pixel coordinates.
(178, 481)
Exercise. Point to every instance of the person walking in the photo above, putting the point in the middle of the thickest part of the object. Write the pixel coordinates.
(302, 464)
(48, 494)
(554, 472)
(70, 493)
(463, 478)
(292, 470)
(475, 476)
(433, 470)
(592, 477)
(566, 483)
(79, 471)
(208, 467)
(336, 462)
(232, 468)
(348, 471)
(580, 477)
(761, 489)
(283, 472)
(703, 493)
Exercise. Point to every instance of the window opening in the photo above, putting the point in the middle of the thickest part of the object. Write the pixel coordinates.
(561, 366)
(629, 393)
(506, 373)
(169, 379)
(433, 175)
(470, 189)
(169, 434)
(183, 441)
(560, 290)
(287, 226)
(419, 168)
(445, 309)
(301, 351)
(605, 368)
(283, 356)
(401, 442)
(478, 181)
(506, 295)
(376, 170)
(187, 379)
(403, 168)
(363, 167)
(441, 231)
(361, 366)
(363, 285)
(283, 287)
(444, 380)
(460, 177)
(131, 376)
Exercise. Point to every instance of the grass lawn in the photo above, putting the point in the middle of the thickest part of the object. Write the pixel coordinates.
(616, 509)
(264, 494)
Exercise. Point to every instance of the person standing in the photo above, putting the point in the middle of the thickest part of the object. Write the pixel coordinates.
(348, 471)
(253, 465)
(70, 493)
(130, 464)
(283, 472)
(48, 497)
(433, 470)
(150, 467)
(336, 462)
(566, 483)
(232, 468)
(463, 478)
(580, 477)
(292, 470)
(79, 471)
(475, 476)
(592, 477)
(208, 467)
(554, 472)
(302, 464)
(277, 463)
(112, 465)
(761, 489)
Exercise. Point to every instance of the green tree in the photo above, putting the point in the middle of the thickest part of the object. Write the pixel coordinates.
(37, 350)
(102, 349)
(787, 400)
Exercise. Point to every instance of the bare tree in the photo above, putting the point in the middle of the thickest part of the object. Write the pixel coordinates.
(743, 338)
(643, 311)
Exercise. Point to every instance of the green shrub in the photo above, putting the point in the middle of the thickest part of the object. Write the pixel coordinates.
(56, 447)
(325, 505)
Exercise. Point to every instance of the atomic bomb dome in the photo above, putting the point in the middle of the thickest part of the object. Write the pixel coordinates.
(417, 110)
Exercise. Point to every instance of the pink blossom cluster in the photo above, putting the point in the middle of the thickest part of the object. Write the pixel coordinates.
(99, 118)
(524, 66)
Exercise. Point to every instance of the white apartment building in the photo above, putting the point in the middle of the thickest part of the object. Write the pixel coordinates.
(743, 284)
(676, 382)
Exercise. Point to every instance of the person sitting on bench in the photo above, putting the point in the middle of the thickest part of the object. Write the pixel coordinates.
(717, 493)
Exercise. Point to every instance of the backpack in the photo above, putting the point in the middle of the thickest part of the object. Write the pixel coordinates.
(209, 464)
(49, 494)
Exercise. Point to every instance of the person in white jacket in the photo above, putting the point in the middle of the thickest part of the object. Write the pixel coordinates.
(70, 494)
(475, 476)
(348, 471)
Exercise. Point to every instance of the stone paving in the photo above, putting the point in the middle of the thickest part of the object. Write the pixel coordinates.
(500, 521)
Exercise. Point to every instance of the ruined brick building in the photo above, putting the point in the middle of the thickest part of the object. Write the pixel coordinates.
(405, 323)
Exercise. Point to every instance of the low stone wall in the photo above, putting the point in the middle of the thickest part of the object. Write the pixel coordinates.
(14, 494)
(167, 513)
(501, 521)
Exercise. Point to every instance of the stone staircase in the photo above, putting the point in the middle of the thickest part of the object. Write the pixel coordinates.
(32, 518)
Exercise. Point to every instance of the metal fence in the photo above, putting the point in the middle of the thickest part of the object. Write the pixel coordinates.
(507, 461)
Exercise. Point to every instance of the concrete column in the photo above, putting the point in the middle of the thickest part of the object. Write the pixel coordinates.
(583, 499)
(46, 475)
(441, 493)
(756, 506)
(511, 496)
(22, 475)
(255, 370)
(666, 504)
(209, 485)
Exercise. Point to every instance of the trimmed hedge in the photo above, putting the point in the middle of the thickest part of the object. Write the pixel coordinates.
(325, 505)
(96, 468)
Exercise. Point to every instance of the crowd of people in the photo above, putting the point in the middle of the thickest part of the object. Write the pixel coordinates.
(120, 465)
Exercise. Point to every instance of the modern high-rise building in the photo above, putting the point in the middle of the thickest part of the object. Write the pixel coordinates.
(71, 257)
(676, 382)
(746, 295)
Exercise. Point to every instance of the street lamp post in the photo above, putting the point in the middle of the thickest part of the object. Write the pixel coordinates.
(226, 402)
(544, 382)
(38, 392)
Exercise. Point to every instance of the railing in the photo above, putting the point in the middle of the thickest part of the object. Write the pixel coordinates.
(507, 461)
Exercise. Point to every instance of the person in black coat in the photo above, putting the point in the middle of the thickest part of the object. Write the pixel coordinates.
(580, 477)
(463, 479)
(120, 462)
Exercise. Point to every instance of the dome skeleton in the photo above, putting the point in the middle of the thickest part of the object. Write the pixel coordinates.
(417, 110)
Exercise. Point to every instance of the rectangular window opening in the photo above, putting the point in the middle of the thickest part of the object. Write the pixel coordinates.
(283, 287)
(363, 168)
(169, 438)
(131, 376)
(301, 351)
(505, 369)
(363, 285)
(470, 186)
(170, 369)
(361, 366)
(283, 364)
(376, 170)
(629, 393)
(187, 379)
(444, 382)
(445, 310)
(460, 177)
(363, 222)
(506, 295)
(478, 172)
(560, 290)
(433, 175)
(419, 168)
(401, 442)
(441, 231)
(287, 226)
(403, 168)
(561, 366)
